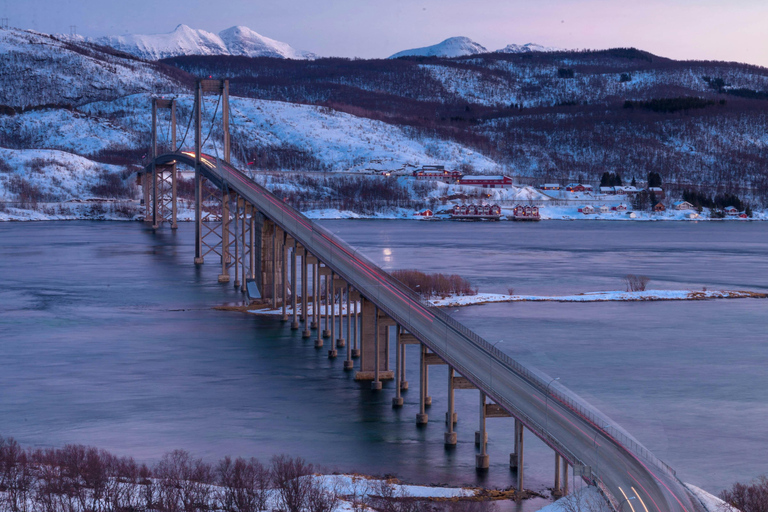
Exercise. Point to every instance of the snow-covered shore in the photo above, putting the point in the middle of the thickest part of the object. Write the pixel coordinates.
(488, 298)
(606, 296)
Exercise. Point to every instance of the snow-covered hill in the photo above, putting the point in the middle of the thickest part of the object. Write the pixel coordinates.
(451, 47)
(527, 48)
(184, 40)
(39, 69)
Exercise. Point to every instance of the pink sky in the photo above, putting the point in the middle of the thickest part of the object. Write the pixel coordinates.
(680, 29)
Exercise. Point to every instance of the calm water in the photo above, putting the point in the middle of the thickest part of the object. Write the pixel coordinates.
(107, 337)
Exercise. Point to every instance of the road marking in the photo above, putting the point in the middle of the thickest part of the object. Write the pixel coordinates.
(638, 497)
(626, 499)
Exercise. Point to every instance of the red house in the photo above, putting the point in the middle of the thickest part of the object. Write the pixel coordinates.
(437, 173)
(487, 181)
(424, 213)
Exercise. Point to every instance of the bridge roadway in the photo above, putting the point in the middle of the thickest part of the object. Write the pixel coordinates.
(630, 476)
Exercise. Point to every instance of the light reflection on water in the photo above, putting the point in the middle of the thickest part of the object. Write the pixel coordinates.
(108, 339)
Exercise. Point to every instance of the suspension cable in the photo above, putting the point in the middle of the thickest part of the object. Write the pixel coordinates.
(191, 115)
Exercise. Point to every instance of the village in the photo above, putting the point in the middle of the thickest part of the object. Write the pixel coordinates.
(572, 200)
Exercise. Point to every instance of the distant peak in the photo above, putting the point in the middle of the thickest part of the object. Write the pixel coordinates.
(457, 46)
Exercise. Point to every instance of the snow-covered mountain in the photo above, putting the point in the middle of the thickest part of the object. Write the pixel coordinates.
(527, 48)
(451, 47)
(184, 40)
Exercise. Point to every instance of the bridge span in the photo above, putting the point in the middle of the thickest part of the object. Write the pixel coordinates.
(260, 237)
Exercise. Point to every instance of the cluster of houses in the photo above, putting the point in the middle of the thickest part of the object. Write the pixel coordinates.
(589, 210)
(525, 212)
(440, 173)
(609, 191)
(476, 211)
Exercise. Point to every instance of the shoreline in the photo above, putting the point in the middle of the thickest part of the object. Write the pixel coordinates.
(494, 298)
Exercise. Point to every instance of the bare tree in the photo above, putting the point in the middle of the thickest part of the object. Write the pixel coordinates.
(748, 498)
(291, 479)
(245, 484)
(636, 283)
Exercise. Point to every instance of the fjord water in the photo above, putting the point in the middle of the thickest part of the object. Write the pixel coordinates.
(108, 338)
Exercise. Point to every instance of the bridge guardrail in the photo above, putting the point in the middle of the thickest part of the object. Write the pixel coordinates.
(320, 236)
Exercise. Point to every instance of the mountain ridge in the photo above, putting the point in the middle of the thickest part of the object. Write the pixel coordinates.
(237, 40)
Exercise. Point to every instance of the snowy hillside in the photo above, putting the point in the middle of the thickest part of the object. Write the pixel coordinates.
(335, 140)
(527, 48)
(451, 47)
(39, 69)
(184, 40)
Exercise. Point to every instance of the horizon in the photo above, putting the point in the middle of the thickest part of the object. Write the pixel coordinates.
(685, 30)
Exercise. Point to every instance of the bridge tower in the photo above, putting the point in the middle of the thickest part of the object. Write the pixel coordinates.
(160, 197)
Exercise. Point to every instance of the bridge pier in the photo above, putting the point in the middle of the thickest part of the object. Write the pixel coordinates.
(422, 418)
(565, 477)
(318, 296)
(348, 363)
(340, 341)
(482, 460)
(557, 489)
(294, 281)
(450, 436)
(327, 329)
(516, 459)
(305, 333)
(358, 306)
(373, 353)
(315, 324)
(332, 353)
(284, 270)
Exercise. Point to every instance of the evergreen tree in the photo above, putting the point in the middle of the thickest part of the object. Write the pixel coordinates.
(634, 181)
(654, 179)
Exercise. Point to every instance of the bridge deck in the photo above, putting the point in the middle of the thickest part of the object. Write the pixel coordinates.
(577, 431)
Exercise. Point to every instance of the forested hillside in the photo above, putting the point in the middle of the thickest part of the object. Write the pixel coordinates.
(567, 116)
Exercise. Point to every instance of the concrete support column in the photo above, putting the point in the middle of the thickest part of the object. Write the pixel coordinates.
(398, 400)
(519, 431)
(304, 291)
(450, 436)
(482, 460)
(284, 271)
(315, 296)
(327, 330)
(376, 384)
(318, 281)
(427, 398)
(422, 417)
(565, 477)
(348, 363)
(358, 329)
(252, 253)
(403, 381)
(294, 281)
(224, 276)
(340, 341)
(333, 353)
(274, 265)
(557, 490)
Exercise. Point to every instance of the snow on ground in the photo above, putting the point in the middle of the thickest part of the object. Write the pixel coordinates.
(339, 141)
(710, 502)
(586, 499)
(487, 298)
(648, 295)
(68, 130)
(57, 175)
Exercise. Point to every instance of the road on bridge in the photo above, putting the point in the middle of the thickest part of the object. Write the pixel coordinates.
(630, 475)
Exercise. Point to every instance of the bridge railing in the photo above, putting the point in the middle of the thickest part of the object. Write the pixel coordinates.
(340, 251)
